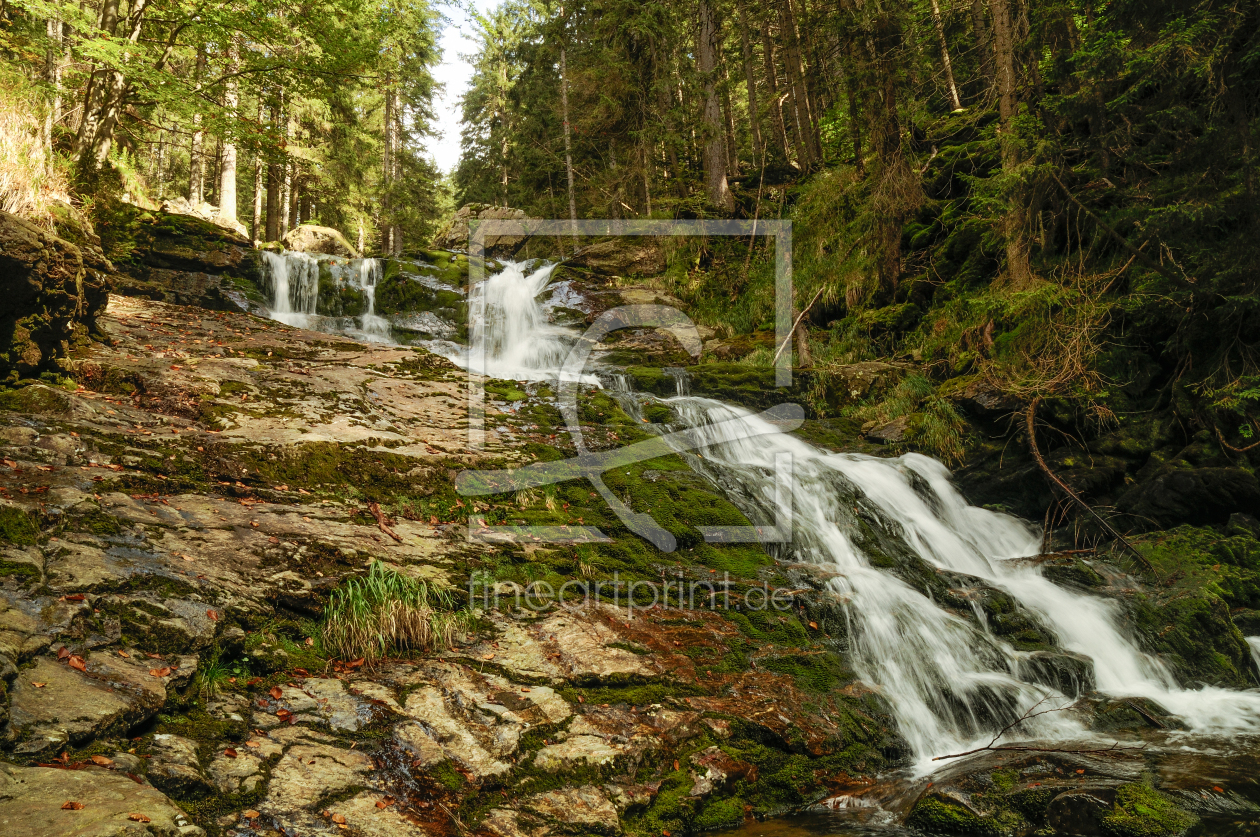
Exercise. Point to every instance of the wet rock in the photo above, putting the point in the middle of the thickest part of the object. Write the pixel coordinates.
(175, 767)
(504, 822)
(1109, 714)
(241, 773)
(979, 397)
(1071, 674)
(889, 432)
(311, 238)
(31, 800)
(580, 810)
(1080, 812)
(53, 291)
(73, 706)
(456, 738)
(714, 768)
(620, 256)
(1197, 496)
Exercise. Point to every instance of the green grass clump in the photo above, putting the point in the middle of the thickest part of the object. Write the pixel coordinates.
(387, 612)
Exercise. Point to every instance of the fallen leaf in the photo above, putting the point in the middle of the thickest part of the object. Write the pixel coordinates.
(123, 653)
(71, 805)
(38, 685)
(385, 803)
(63, 652)
(160, 672)
(250, 814)
(77, 662)
(138, 818)
(310, 641)
(103, 761)
(814, 625)
(73, 597)
(252, 744)
(276, 692)
(214, 617)
(1218, 790)
(675, 764)
(339, 819)
(1081, 771)
(230, 753)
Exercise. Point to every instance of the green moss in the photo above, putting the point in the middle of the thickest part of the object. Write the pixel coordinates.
(34, 398)
(447, 776)
(19, 569)
(934, 815)
(635, 694)
(506, 390)
(16, 526)
(1142, 811)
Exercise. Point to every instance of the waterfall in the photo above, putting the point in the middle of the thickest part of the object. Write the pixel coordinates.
(682, 379)
(294, 283)
(292, 279)
(1253, 642)
(951, 683)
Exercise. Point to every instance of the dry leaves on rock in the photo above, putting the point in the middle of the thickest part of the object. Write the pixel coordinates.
(103, 761)
(71, 805)
(138, 818)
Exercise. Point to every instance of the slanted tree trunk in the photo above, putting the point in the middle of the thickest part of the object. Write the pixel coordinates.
(948, 65)
(717, 190)
(754, 114)
(227, 172)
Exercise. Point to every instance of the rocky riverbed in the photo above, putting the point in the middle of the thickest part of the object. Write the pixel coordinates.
(179, 499)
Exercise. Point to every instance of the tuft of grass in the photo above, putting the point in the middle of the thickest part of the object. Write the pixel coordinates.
(386, 612)
(212, 675)
(935, 426)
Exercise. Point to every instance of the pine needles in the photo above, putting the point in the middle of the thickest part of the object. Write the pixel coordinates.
(388, 613)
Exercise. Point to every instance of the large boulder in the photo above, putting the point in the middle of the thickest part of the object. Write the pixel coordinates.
(620, 256)
(312, 238)
(54, 289)
(181, 259)
(455, 236)
(1192, 495)
(204, 211)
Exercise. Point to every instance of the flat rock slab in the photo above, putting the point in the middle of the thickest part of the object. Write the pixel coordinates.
(72, 706)
(31, 800)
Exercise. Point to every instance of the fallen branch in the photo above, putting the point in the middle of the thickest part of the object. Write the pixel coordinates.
(1029, 422)
(1028, 714)
(1221, 436)
(381, 521)
(792, 331)
(1137, 254)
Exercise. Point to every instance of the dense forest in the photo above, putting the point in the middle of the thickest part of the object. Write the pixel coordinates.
(270, 113)
(1012, 188)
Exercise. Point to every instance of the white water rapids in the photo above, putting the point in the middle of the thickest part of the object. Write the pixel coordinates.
(293, 280)
(950, 682)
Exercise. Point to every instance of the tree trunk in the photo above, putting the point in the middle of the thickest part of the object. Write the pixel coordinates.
(93, 91)
(1017, 258)
(256, 218)
(196, 158)
(949, 67)
(274, 176)
(52, 77)
(568, 147)
(227, 173)
(893, 193)
(717, 190)
(114, 97)
(772, 85)
(855, 124)
(728, 113)
(981, 32)
(754, 115)
(800, 90)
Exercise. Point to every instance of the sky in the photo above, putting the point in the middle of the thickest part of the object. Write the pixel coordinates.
(454, 72)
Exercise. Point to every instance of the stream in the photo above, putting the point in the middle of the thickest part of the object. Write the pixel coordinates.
(950, 682)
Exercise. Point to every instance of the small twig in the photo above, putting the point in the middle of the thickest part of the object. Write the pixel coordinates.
(375, 509)
(1030, 425)
(1029, 714)
(792, 331)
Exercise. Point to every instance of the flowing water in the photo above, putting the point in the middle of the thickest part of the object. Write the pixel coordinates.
(293, 283)
(950, 682)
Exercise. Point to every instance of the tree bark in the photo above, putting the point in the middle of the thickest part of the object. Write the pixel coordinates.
(568, 146)
(114, 96)
(800, 89)
(227, 172)
(728, 114)
(256, 218)
(717, 190)
(754, 114)
(196, 158)
(1018, 266)
(949, 67)
(93, 92)
(274, 176)
(981, 32)
(772, 85)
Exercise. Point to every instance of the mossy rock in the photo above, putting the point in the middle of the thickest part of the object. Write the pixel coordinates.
(402, 294)
(1142, 811)
(16, 526)
(338, 298)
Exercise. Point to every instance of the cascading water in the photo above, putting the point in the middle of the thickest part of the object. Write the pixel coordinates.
(950, 682)
(293, 280)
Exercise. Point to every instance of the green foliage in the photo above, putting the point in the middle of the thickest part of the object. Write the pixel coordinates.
(386, 613)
